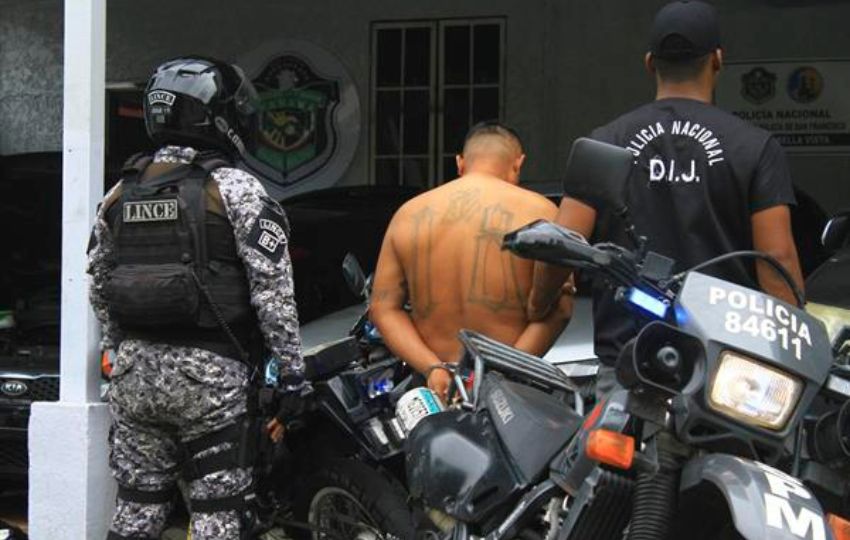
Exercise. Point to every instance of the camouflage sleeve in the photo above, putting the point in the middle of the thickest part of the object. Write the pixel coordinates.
(101, 259)
(261, 231)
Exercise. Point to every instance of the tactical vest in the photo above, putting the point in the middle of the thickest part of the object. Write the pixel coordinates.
(178, 277)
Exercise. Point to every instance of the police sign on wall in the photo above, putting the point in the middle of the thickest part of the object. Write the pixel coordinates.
(310, 121)
(804, 103)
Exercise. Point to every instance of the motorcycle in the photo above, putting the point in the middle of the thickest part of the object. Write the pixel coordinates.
(713, 394)
(341, 466)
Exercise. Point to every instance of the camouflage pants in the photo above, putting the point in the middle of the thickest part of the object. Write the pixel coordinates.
(162, 396)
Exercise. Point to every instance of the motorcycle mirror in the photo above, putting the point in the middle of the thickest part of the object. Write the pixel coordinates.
(355, 278)
(836, 234)
(597, 172)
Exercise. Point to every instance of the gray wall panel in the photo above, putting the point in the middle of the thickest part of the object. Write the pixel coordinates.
(30, 76)
(571, 65)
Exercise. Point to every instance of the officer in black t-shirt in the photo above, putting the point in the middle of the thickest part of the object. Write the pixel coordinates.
(704, 183)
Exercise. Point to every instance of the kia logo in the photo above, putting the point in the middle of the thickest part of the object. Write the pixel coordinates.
(13, 388)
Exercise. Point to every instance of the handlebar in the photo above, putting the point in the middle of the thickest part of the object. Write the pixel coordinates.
(549, 242)
(546, 241)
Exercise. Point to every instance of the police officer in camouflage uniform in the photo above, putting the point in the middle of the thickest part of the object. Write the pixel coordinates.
(191, 276)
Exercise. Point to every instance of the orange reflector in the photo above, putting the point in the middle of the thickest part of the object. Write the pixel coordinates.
(840, 527)
(106, 364)
(611, 448)
(593, 416)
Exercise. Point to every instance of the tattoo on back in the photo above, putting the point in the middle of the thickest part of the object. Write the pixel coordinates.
(420, 288)
(463, 205)
(494, 279)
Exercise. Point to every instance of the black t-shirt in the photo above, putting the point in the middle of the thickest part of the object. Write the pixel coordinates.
(699, 174)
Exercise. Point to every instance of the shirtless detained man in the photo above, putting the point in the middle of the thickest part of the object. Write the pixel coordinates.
(442, 254)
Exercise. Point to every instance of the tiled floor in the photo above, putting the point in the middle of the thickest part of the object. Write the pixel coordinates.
(13, 511)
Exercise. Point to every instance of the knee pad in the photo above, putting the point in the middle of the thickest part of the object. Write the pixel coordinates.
(240, 454)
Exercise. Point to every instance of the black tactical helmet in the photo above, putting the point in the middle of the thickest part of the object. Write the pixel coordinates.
(203, 103)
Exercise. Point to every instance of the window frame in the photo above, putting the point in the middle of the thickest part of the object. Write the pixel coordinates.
(436, 89)
(441, 174)
(401, 88)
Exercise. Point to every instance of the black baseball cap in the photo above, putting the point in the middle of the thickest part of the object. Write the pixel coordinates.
(684, 30)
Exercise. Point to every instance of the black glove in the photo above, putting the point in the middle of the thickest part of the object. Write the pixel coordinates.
(289, 405)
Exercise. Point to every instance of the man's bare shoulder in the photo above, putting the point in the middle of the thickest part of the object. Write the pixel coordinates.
(414, 205)
(529, 202)
(535, 201)
(467, 195)
(408, 211)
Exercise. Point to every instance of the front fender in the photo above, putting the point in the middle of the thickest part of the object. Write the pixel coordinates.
(765, 503)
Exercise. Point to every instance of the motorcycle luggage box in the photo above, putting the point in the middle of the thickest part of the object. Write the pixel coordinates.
(330, 358)
(532, 425)
(456, 464)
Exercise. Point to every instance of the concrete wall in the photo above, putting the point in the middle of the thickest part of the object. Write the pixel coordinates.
(30, 75)
(343, 28)
(571, 65)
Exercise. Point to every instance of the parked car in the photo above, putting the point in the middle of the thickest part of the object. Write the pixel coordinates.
(30, 206)
(326, 225)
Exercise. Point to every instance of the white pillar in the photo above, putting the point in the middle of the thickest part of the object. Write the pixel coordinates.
(82, 190)
(71, 494)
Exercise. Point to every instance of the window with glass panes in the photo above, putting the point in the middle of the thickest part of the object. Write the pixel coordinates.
(431, 81)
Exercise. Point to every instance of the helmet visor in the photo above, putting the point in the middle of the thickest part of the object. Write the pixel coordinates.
(245, 98)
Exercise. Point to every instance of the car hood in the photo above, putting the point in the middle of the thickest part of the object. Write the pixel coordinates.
(30, 361)
(574, 344)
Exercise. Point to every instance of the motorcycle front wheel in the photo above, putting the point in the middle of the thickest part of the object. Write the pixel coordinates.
(346, 500)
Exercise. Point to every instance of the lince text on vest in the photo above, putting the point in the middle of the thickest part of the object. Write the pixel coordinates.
(136, 212)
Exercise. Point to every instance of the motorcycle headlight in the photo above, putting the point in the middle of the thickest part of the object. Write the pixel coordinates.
(752, 392)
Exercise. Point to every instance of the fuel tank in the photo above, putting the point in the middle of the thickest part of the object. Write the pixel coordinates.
(473, 464)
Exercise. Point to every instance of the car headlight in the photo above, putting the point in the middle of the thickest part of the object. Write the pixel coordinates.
(752, 392)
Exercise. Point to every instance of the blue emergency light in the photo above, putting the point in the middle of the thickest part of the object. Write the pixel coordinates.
(379, 387)
(648, 303)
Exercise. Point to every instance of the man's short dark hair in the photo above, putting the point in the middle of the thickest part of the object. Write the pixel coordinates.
(493, 127)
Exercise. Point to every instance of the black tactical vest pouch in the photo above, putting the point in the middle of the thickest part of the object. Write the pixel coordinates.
(152, 296)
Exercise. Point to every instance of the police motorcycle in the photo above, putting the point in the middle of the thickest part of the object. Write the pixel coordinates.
(714, 390)
(340, 467)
